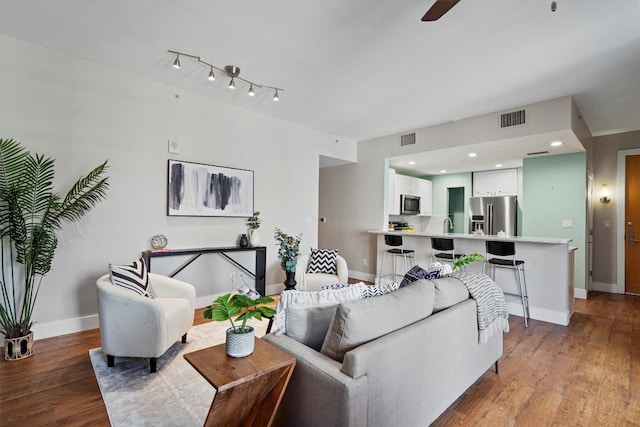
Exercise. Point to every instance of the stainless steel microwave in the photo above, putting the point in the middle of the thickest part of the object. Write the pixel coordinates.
(409, 205)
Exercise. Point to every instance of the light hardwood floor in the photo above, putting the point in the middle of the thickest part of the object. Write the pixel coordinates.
(587, 374)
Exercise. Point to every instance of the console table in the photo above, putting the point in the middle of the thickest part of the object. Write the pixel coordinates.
(261, 260)
(248, 389)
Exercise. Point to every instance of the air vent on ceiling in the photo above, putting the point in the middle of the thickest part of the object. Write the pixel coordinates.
(537, 153)
(408, 139)
(513, 118)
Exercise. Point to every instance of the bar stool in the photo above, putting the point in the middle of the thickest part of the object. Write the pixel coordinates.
(447, 251)
(394, 246)
(508, 249)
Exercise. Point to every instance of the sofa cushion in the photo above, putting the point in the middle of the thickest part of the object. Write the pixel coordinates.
(134, 277)
(323, 261)
(294, 299)
(449, 291)
(360, 321)
(309, 325)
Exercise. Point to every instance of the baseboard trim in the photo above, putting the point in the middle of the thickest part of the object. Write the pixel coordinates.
(551, 316)
(63, 327)
(580, 293)
(367, 277)
(611, 288)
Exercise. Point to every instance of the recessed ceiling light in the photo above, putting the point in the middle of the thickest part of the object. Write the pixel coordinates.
(443, 171)
(499, 165)
(556, 143)
(412, 162)
(472, 154)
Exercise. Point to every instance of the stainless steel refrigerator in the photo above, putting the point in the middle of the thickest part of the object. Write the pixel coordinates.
(491, 215)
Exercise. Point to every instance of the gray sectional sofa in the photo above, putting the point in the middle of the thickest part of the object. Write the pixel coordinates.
(391, 360)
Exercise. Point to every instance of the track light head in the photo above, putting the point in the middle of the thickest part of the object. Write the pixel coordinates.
(276, 98)
(212, 76)
(176, 63)
(554, 6)
(251, 92)
(232, 84)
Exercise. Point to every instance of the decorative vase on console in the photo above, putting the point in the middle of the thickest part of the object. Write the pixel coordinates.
(288, 251)
(254, 223)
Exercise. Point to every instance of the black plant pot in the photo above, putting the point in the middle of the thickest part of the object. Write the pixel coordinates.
(290, 282)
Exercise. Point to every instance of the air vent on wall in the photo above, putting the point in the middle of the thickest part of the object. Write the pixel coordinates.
(513, 118)
(408, 139)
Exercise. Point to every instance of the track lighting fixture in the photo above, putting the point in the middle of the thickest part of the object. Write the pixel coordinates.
(230, 70)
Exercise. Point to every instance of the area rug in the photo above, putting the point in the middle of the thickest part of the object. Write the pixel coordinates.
(176, 395)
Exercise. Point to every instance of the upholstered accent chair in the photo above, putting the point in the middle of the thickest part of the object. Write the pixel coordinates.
(315, 281)
(133, 325)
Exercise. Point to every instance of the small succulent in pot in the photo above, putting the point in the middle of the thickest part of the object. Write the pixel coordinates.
(254, 221)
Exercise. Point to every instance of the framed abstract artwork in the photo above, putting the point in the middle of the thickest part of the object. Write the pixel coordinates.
(196, 189)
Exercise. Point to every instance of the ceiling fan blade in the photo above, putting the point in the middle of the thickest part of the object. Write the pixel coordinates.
(439, 8)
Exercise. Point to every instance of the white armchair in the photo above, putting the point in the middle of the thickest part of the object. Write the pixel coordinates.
(315, 281)
(133, 325)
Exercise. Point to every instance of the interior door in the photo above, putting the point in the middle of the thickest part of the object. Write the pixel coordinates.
(632, 221)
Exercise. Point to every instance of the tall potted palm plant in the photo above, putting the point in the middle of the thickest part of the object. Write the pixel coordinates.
(30, 214)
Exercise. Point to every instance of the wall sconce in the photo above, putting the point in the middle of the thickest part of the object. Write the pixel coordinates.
(604, 194)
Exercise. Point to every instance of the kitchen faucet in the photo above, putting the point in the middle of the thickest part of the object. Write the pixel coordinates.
(447, 220)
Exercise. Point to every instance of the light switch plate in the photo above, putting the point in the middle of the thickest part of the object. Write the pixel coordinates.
(567, 223)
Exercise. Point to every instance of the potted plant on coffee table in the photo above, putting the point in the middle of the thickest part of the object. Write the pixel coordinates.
(30, 214)
(240, 338)
(288, 251)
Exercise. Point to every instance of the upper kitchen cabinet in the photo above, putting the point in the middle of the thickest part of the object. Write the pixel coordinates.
(503, 182)
(408, 185)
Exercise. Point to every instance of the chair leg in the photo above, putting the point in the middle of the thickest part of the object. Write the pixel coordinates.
(270, 325)
(496, 364)
(153, 364)
(524, 296)
(184, 338)
(381, 266)
(111, 361)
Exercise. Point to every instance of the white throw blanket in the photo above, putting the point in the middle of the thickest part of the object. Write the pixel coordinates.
(493, 316)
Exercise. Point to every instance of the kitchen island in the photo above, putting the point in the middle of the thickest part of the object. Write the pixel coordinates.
(548, 269)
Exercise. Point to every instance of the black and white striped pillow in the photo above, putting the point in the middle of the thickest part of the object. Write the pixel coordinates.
(323, 261)
(134, 277)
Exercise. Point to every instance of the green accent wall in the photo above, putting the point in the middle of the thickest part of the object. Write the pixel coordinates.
(439, 186)
(554, 190)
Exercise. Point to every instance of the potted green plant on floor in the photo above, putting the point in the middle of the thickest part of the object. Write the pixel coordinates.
(462, 262)
(240, 338)
(254, 223)
(288, 251)
(30, 215)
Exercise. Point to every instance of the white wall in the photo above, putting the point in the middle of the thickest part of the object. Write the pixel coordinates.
(80, 114)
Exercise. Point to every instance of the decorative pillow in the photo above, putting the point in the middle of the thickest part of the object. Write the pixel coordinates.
(335, 286)
(358, 322)
(377, 290)
(304, 299)
(417, 273)
(134, 277)
(323, 261)
(449, 291)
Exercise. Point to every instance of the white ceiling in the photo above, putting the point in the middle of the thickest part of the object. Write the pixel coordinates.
(359, 69)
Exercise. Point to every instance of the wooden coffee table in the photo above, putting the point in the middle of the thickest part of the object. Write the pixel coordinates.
(248, 389)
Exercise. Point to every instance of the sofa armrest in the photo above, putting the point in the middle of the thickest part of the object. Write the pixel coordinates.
(319, 394)
(343, 270)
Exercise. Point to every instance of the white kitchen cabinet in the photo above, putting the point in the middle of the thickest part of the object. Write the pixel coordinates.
(502, 182)
(402, 184)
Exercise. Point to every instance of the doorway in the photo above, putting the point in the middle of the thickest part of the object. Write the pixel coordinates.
(628, 255)
(455, 208)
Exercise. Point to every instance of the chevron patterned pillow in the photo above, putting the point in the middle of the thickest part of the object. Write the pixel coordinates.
(134, 277)
(323, 261)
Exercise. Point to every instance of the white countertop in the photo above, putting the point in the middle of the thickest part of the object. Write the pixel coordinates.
(524, 239)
